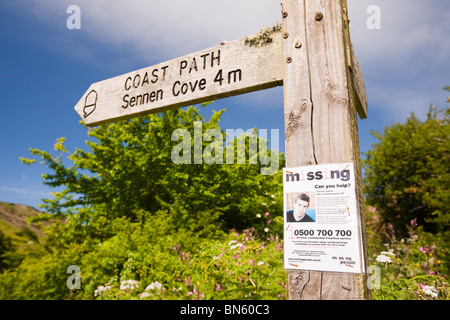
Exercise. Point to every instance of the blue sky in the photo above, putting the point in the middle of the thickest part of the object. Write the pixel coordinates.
(46, 67)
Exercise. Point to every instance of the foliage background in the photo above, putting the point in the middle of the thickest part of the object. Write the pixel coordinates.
(140, 227)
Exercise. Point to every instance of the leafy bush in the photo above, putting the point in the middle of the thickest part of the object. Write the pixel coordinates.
(410, 268)
(140, 227)
(407, 173)
(129, 170)
(240, 266)
(9, 258)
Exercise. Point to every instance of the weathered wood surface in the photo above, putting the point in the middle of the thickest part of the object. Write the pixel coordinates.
(228, 69)
(358, 86)
(320, 118)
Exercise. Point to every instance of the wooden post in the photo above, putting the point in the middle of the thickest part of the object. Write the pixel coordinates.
(323, 91)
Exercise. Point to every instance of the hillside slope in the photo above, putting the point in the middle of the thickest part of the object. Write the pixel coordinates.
(13, 223)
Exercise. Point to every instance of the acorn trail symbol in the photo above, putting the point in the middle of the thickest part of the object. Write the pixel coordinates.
(90, 103)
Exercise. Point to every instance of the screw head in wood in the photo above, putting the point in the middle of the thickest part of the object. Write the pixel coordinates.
(298, 44)
(319, 16)
(285, 35)
(284, 14)
(289, 60)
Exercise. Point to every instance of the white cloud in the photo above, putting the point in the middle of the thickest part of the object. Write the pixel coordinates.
(397, 103)
(408, 29)
(24, 192)
(405, 60)
(405, 63)
(166, 29)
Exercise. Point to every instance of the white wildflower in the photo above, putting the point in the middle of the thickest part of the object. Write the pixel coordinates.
(237, 245)
(383, 258)
(153, 286)
(231, 242)
(101, 289)
(129, 285)
(387, 252)
(431, 291)
(260, 263)
(266, 229)
(144, 295)
(258, 215)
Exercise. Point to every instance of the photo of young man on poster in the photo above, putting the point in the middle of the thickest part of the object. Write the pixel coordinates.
(301, 211)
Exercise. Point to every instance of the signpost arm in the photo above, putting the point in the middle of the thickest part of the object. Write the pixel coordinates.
(320, 101)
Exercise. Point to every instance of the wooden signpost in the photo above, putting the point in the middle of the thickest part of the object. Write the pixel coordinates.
(312, 57)
(320, 104)
(228, 69)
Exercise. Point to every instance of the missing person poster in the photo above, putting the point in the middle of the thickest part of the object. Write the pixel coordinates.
(321, 219)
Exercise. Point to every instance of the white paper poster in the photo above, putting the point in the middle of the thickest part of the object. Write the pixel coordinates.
(321, 222)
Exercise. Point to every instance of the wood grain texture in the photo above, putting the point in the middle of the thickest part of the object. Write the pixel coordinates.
(358, 86)
(228, 69)
(320, 118)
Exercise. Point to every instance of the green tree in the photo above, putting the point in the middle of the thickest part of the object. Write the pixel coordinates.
(407, 173)
(123, 203)
(129, 172)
